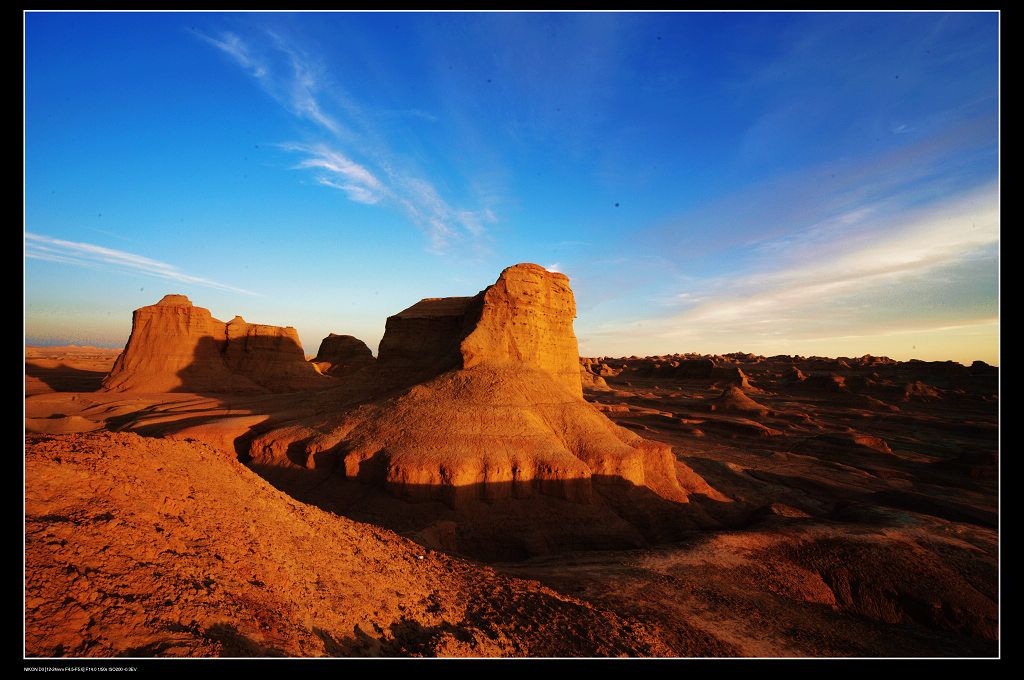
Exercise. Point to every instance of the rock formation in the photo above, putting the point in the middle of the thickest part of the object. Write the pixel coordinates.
(731, 375)
(695, 368)
(486, 405)
(341, 355)
(423, 340)
(524, 319)
(177, 347)
(733, 398)
(591, 380)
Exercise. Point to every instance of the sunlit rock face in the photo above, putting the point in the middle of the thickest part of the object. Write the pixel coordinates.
(525, 319)
(178, 347)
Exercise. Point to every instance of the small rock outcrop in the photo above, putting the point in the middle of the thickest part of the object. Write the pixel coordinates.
(733, 398)
(341, 355)
(592, 381)
(178, 347)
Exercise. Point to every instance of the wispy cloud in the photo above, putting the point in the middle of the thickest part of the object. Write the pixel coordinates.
(349, 153)
(981, 324)
(41, 247)
(867, 244)
(292, 81)
(822, 195)
(232, 45)
(441, 223)
(825, 281)
(333, 169)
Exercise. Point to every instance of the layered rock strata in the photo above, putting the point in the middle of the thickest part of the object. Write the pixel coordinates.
(177, 347)
(525, 319)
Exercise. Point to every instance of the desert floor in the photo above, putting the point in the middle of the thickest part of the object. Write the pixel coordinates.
(848, 523)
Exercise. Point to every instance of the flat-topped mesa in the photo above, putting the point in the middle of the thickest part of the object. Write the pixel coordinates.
(525, 318)
(177, 347)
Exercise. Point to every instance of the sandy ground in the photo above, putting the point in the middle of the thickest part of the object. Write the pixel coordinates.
(850, 525)
(66, 369)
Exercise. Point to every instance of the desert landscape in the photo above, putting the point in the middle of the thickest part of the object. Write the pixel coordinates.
(478, 489)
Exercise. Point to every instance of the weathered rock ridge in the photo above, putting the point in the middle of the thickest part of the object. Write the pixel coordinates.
(177, 347)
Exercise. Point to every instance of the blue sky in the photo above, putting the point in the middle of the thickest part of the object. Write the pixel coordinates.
(776, 183)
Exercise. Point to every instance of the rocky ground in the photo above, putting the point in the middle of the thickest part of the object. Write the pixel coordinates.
(850, 508)
(139, 547)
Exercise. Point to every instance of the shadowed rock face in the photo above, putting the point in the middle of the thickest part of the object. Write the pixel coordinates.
(423, 340)
(341, 355)
(177, 347)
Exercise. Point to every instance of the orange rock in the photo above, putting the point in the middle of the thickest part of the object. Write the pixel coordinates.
(270, 356)
(177, 347)
(423, 340)
(491, 406)
(525, 319)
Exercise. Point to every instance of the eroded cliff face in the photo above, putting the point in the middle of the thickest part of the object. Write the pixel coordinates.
(178, 347)
(271, 356)
(524, 319)
(423, 340)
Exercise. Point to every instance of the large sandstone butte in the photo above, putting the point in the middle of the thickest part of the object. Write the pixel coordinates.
(177, 347)
(523, 321)
(483, 404)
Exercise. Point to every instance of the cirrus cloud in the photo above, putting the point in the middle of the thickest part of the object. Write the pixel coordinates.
(40, 247)
(343, 131)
